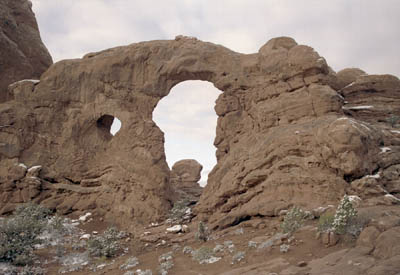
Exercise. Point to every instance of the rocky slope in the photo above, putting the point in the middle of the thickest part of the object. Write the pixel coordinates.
(290, 131)
(22, 54)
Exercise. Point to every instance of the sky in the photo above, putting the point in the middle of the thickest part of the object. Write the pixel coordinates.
(348, 33)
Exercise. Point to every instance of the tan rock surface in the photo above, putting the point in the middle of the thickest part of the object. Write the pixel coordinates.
(22, 55)
(184, 178)
(282, 137)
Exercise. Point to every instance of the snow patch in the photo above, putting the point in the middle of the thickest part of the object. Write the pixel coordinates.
(395, 131)
(84, 217)
(22, 165)
(376, 176)
(34, 81)
(358, 107)
(385, 149)
(351, 84)
(34, 168)
(389, 196)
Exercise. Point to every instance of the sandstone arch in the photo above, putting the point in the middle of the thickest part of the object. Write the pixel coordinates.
(279, 140)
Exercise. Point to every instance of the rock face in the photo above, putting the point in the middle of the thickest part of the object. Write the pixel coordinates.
(185, 175)
(22, 55)
(285, 134)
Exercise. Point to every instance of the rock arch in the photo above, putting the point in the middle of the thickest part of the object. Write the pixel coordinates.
(278, 138)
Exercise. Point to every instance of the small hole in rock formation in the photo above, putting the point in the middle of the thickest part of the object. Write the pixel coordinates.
(109, 124)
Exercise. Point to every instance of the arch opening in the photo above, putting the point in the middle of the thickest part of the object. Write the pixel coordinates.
(188, 119)
(108, 125)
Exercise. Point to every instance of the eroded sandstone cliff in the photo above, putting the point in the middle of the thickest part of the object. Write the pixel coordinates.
(22, 53)
(289, 132)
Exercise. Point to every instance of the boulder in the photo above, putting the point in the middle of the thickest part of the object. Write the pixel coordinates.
(184, 178)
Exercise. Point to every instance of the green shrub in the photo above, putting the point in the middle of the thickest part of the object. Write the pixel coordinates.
(106, 244)
(32, 211)
(20, 233)
(393, 120)
(202, 233)
(344, 213)
(294, 219)
(325, 222)
(202, 254)
(178, 212)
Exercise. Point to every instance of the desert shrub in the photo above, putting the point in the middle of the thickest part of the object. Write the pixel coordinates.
(178, 211)
(202, 254)
(20, 233)
(325, 222)
(32, 270)
(393, 120)
(32, 211)
(294, 219)
(202, 233)
(344, 213)
(106, 244)
(356, 224)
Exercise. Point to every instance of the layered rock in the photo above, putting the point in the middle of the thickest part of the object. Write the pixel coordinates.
(282, 138)
(185, 175)
(22, 55)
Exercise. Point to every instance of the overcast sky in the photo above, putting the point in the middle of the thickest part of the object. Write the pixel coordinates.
(348, 33)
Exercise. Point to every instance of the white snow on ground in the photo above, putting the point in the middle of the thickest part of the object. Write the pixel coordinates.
(34, 81)
(358, 107)
(34, 168)
(385, 149)
(376, 176)
(354, 123)
(392, 197)
(84, 217)
(339, 95)
(351, 84)
(22, 165)
(395, 131)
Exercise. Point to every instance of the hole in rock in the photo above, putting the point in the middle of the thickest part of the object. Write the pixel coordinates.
(188, 120)
(109, 124)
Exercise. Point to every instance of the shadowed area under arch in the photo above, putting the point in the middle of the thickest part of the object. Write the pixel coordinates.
(188, 120)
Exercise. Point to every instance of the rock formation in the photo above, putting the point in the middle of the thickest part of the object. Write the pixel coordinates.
(185, 175)
(22, 54)
(290, 131)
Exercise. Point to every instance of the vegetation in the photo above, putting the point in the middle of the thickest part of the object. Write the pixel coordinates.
(393, 120)
(106, 244)
(20, 233)
(178, 212)
(325, 222)
(294, 219)
(202, 233)
(202, 254)
(345, 221)
(344, 213)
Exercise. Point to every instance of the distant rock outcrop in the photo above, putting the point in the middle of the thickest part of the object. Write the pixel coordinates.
(290, 131)
(22, 54)
(185, 175)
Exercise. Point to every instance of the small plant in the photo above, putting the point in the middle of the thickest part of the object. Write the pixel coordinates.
(20, 233)
(325, 222)
(202, 233)
(203, 254)
(178, 212)
(344, 213)
(393, 120)
(294, 219)
(106, 244)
